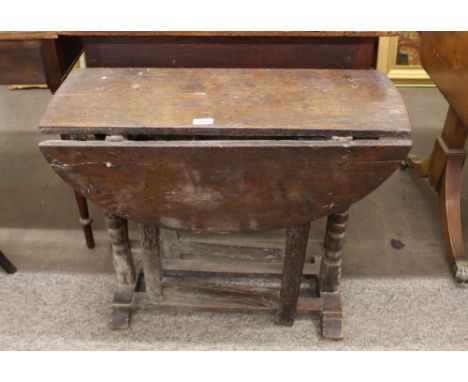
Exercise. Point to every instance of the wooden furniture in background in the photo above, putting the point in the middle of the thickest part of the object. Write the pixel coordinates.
(231, 49)
(227, 151)
(33, 58)
(36, 58)
(444, 56)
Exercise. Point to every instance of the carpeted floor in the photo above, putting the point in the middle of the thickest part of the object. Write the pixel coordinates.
(62, 312)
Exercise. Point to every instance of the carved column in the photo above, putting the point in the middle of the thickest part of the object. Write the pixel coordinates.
(330, 268)
(121, 253)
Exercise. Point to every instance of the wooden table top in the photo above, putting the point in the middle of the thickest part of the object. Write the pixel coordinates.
(228, 102)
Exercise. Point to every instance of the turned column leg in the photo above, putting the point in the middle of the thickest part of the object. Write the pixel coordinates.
(151, 261)
(296, 244)
(121, 253)
(330, 268)
(6, 264)
(329, 276)
(122, 260)
(85, 219)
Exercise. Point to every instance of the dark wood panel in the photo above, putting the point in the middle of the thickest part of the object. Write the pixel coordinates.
(21, 63)
(240, 102)
(230, 52)
(45, 60)
(224, 186)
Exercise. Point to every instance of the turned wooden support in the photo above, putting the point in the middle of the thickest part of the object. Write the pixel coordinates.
(85, 219)
(151, 261)
(296, 244)
(330, 268)
(121, 253)
(6, 264)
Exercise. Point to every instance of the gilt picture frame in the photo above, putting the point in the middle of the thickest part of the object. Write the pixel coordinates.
(401, 75)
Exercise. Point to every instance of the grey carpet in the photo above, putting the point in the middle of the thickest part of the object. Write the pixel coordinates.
(40, 311)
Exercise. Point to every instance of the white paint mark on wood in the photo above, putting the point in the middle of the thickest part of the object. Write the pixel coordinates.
(202, 121)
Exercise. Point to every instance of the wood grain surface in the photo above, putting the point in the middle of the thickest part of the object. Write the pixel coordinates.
(228, 102)
(21, 63)
(231, 51)
(28, 35)
(224, 186)
(444, 55)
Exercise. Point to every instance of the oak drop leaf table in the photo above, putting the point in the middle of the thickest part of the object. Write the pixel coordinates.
(227, 151)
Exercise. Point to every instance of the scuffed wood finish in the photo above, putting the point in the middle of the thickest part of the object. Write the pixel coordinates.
(224, 186)
(240, 102)
(444, 55)
(169, 244)
(122, 258)
(296, 244)
(233, 268)
(330, 270)
(151, 261)
(331, 316)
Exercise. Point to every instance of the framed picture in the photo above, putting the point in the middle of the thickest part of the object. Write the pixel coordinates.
(398, 57)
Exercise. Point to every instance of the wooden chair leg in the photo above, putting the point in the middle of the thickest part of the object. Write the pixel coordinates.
(151, 262)
(296, 244)
(85, 219)
(449, 205)
(329, 276)
(6, 264)
(121, 253)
